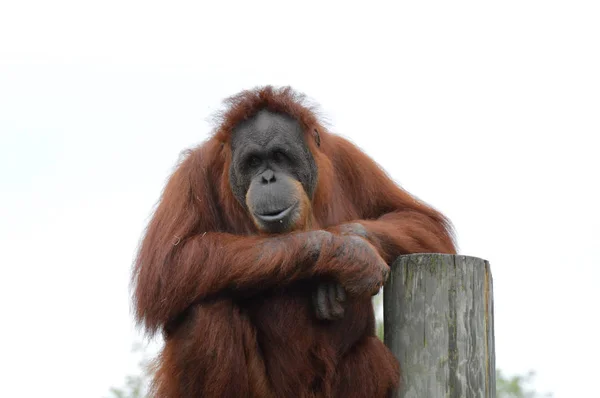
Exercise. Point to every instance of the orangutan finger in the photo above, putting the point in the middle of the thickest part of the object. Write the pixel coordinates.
(337, 310)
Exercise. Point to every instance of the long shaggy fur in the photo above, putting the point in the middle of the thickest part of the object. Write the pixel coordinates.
(234, 305)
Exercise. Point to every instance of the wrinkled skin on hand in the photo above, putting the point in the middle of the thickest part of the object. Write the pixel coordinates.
(329, 298)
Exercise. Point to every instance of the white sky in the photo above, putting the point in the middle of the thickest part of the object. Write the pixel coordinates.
(490, 112)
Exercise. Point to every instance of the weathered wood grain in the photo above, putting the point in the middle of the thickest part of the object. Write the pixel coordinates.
(439, 323)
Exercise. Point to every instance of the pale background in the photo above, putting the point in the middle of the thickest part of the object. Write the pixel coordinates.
(488, 111)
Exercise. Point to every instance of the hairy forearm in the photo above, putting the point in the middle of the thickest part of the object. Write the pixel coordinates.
(220, 261)
(207, 264)
(210, 264)
(401, 232)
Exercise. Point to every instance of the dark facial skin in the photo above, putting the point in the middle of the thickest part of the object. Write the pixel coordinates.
(272, 169)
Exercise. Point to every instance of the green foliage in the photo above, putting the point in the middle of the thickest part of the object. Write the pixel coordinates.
(379, 330)
(516, 386)
(136, 386)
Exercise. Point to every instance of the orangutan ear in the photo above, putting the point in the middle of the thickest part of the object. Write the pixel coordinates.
(317, 137)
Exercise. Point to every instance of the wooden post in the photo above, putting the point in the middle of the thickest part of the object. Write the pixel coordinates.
(439, 323)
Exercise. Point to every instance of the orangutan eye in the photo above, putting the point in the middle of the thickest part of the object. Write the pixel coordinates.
(279, 156)
(253, 161)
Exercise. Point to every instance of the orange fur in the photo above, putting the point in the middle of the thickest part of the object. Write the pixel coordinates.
(234, 303)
